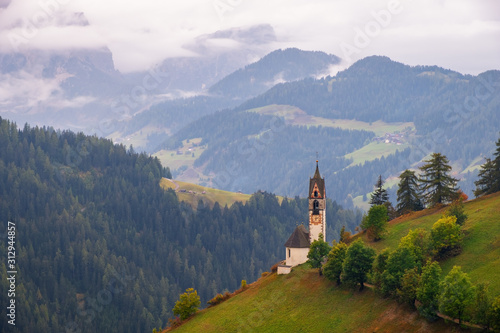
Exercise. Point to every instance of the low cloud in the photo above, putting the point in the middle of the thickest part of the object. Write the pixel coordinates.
(449, 33)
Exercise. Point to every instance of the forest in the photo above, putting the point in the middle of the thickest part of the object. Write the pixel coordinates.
(101, 247)
(448, 108)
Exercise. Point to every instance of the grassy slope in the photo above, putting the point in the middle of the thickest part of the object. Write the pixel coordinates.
(296, 116)
(174, 161)
(210, 197)
(480, 257)
(304, 302)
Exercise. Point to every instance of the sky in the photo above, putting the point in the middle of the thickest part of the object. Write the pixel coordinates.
(462, 35)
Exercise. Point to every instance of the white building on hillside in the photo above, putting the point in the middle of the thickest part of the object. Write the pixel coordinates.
(297, 246)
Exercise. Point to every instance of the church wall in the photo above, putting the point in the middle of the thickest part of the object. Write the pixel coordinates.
(297, 256)
(284, 269)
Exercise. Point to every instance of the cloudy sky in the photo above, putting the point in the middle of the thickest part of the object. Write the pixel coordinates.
(457, 34)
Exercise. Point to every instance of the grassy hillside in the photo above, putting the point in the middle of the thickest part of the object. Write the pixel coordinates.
(295, 116)
(480, 257)
(192, 193)
(305, 302)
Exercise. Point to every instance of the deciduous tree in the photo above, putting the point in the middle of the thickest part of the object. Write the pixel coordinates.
(317, 253)
(333, 267)
(457, 293)
(409, 284)
(482, 306)
(495, 313)
(445, 235)
(358, 263)
(399, 261)
(428, 289)
(375, 222)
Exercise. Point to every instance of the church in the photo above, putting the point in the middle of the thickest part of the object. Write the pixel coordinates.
(297, 246)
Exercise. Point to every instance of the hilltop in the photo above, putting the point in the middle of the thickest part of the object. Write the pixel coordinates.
(192, 194)
(304, 302)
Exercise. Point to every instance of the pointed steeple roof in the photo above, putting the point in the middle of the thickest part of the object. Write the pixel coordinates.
(318, 182)
(299, 238)
(316, 174)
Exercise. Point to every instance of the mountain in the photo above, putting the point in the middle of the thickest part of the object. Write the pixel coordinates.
(111, 248)
(151, 127)
(303, 301)
(276, 67)
(214, 56)
(378, 117)
(80, 89)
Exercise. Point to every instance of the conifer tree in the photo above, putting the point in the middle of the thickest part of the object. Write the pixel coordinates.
(487, 178)
(489, 175)
(496, 184)
(408, 193)
(380, 195)
(438, 186)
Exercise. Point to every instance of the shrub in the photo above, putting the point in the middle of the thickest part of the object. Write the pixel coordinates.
(418, 241)
(445, 235)
(219, 298)
(375, 222)
(187, 304)
(457, 209)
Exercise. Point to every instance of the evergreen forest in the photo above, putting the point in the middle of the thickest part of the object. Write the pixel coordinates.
(101, 247)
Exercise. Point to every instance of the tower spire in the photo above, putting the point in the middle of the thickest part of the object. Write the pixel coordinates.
(316, 173)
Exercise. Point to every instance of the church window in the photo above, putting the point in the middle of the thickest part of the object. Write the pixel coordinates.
(315, 207)
(315, 194)
(289, 253)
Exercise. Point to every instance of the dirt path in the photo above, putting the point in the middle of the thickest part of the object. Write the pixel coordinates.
(173, 182)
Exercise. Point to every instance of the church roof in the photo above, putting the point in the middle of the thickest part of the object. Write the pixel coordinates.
(299, 238)
(316, 179)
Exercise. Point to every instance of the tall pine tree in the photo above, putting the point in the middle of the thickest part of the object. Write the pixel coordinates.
(489, 175)
(380, 195)
(496, 185)
(438, 187)
(408, 193)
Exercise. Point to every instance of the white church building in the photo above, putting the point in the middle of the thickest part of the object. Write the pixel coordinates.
(297, 246)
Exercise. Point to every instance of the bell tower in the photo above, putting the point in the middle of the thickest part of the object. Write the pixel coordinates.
(317, 206)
